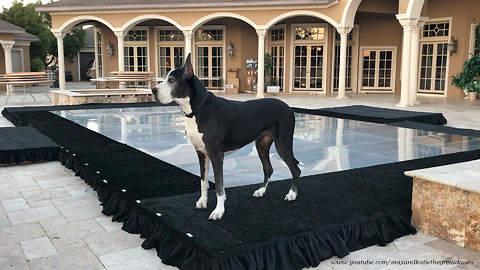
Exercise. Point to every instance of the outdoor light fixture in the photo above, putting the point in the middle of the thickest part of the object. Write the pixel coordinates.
(230, 50)
(110, 49)
(452, 46)
(71, 58)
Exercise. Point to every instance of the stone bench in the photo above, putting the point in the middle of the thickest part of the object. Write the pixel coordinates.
(446, 202)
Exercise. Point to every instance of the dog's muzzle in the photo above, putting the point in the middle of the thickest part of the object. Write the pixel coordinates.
(162, 94)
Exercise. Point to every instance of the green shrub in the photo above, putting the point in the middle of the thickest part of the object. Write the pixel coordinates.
(467, 78)
(36, 65)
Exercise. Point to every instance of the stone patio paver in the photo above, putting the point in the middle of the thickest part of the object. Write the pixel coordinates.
(38, 248)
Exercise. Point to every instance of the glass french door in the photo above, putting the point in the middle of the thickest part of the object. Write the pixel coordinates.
(433, 67)
(278, 56)
(210, 66)
(377, 72)
(308, 69)
(136, 58)
(167, 56)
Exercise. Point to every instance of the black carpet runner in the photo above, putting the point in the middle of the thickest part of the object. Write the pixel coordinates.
(335, 213)
(376, 115)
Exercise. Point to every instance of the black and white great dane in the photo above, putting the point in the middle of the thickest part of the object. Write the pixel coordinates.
(217, 127)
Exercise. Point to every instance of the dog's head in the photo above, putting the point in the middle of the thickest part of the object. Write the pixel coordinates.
(177, 84)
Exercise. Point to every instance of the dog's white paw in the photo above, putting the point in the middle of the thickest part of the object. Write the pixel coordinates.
(201, 203)
(216, 214)
(259, 192)
(291, 196)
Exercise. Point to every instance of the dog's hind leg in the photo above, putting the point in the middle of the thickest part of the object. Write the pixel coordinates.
(295, 170)
(284, 148)
(217, 164)
(263, 148)
(204, 165)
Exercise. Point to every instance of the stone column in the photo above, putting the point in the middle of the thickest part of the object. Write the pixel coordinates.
(95, 41)
(407, 24)
(61, 60)
(7, 47)
(416, 29)
(188, 42)
(343, 31)
(120, 50)
(261, 63)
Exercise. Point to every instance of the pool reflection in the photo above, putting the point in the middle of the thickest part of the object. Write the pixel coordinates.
(321, 144)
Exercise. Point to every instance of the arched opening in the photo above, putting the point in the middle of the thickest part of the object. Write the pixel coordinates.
(221, 48)
(305, 51)
(146, 43)
(84, 65)
(150, 43)
(220, 44)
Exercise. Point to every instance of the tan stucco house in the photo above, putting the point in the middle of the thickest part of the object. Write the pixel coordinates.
(318, 46)
(15, 49)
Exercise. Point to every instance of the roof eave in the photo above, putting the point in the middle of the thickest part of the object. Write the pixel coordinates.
(31, 39)
(10, 31)
(47, 8)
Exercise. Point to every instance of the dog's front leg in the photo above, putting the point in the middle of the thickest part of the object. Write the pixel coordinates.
(217, 164)
(204, 165)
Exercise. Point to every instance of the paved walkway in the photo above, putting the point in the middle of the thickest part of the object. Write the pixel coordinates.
(50, 219)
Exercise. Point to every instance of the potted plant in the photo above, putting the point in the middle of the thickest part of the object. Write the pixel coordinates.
(273, 87)
(270, 82)
(268, 67)
(468, 79)
(473, 88)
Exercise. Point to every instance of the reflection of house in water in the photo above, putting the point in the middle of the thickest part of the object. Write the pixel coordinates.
(420, 143)
(337, 144)
(322, 144)
(327, 133)
(152, 125)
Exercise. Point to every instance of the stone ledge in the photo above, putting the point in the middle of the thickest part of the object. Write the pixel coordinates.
(76, 97)
(460, 175)
(446, 203)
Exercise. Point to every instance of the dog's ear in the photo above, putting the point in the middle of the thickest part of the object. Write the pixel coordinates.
(178, 61)
(188, 68)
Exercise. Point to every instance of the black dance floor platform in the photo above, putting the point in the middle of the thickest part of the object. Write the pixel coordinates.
(22, 144)
(334, 214)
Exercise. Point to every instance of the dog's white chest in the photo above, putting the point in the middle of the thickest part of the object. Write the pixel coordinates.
(195, 137)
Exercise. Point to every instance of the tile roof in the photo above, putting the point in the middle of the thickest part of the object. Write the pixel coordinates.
(72, 5)
(9, 28)
(18, 32)
(25, 37)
